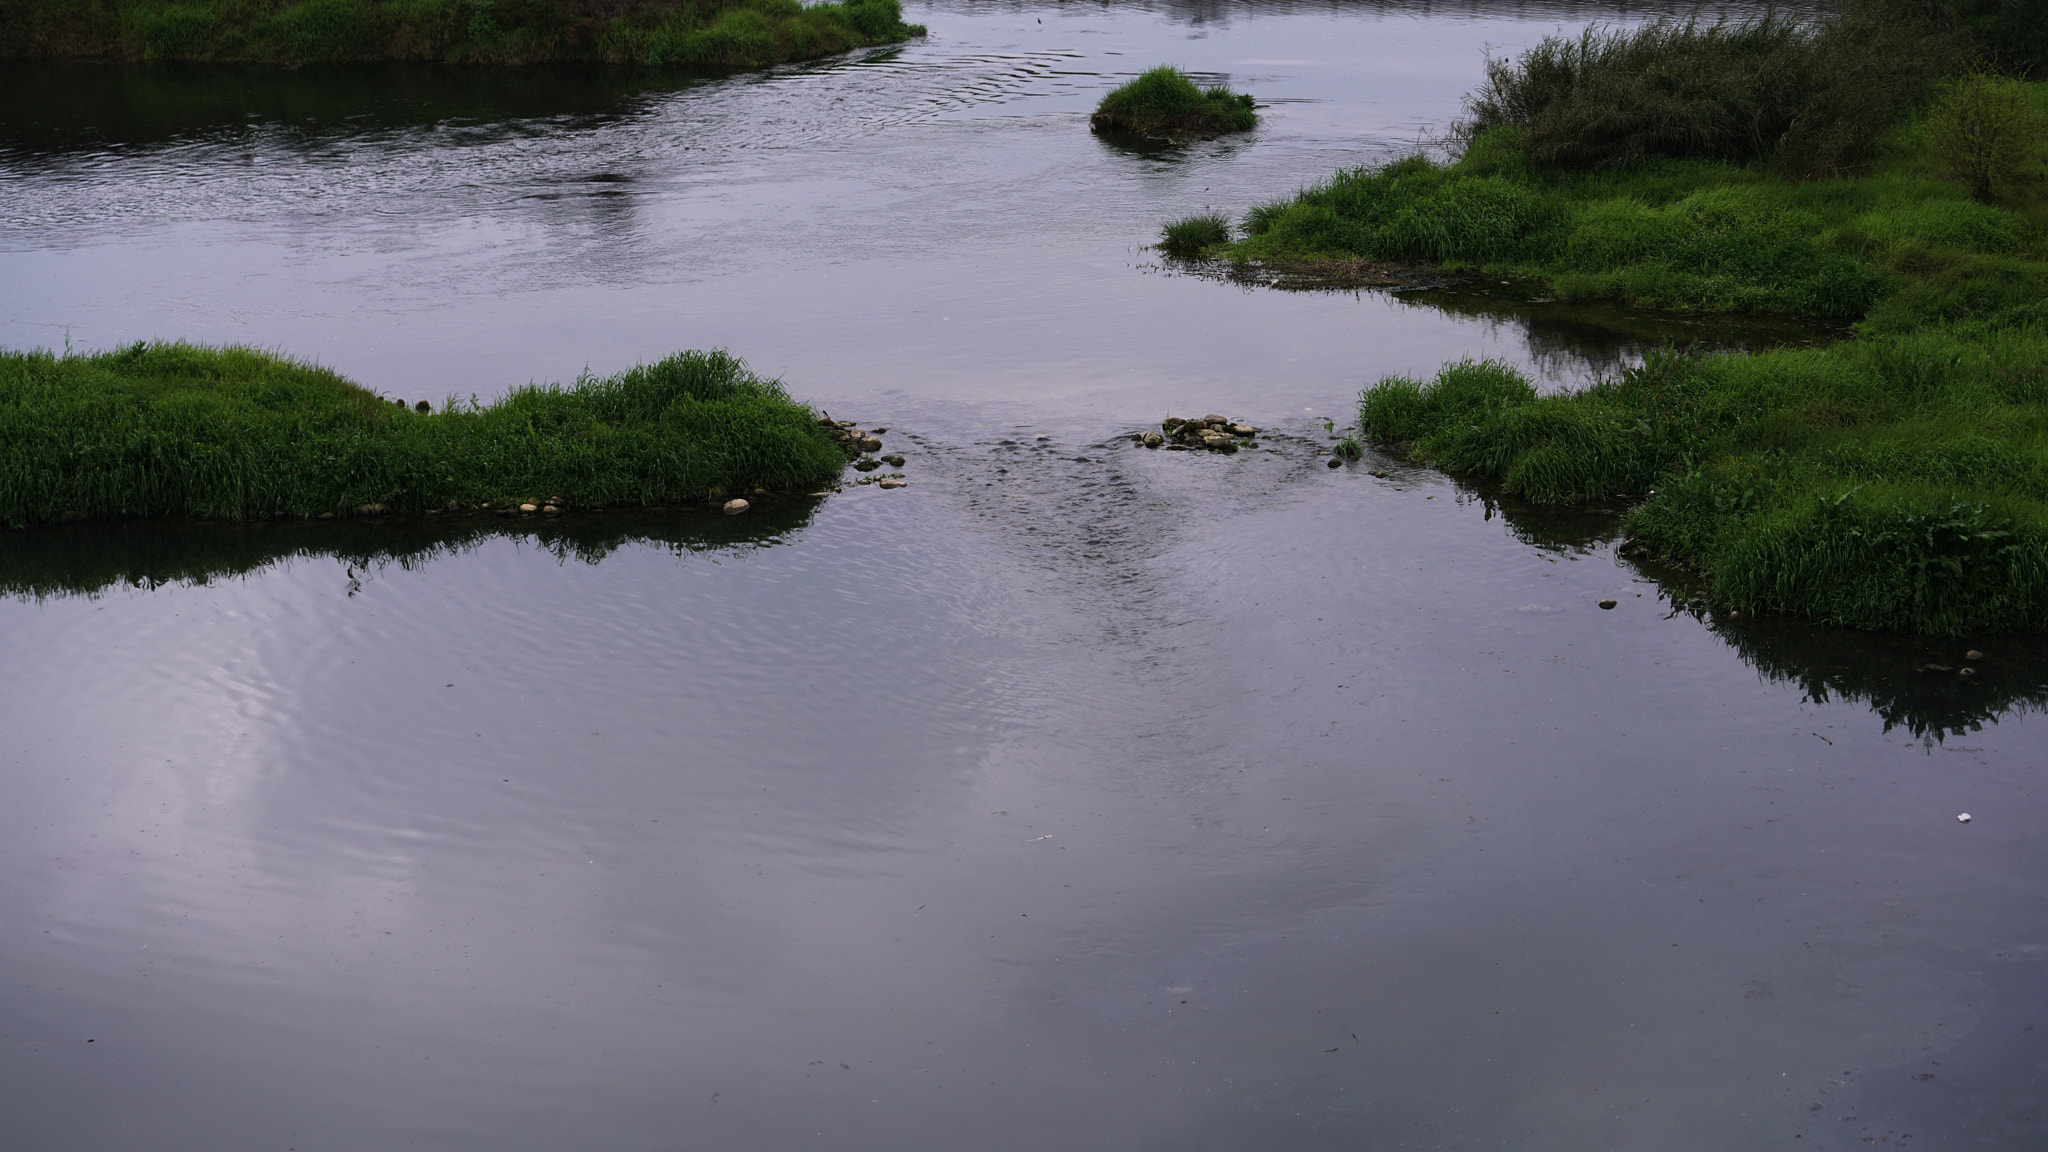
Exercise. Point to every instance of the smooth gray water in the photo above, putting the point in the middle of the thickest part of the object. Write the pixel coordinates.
(1075, 796)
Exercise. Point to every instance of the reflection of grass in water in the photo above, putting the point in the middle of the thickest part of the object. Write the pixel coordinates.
(231, 433)
(88, 560)
(1887, 673)
(62, 107)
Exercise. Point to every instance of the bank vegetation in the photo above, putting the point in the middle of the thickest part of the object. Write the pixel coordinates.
(180, 430)
(708, 34)
(1885, 170)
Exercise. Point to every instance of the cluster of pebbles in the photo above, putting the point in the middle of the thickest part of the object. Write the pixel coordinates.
(863, 448)
(1212, 433)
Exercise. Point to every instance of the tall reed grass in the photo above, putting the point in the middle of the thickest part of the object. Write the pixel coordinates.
(237, 434)
(1811, 95)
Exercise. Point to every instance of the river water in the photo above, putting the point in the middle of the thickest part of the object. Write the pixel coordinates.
(1074, 796)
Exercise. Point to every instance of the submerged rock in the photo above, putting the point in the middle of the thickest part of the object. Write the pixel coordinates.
(1152, 440)
(370, 509)
(893, 461)
(893, 484)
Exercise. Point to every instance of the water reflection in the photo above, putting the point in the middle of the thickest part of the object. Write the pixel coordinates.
(88, 560)
(1909, 682)
(1575, 343)
(81, 106)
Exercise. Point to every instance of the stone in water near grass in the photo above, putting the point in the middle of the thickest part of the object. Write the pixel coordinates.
(1607, 604)
(735, 507)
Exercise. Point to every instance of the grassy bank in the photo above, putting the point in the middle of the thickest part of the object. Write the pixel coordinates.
(1897, 480)
(1896, 483)
(1165, 102)
(715, 34)
(236, 434)
(1902, 241)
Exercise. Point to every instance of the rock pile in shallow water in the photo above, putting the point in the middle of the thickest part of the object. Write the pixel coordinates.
(861, 447)
(1212, 433)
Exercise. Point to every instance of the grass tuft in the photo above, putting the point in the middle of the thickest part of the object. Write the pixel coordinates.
(1195, 235)
(1166, 102)
(236, 434)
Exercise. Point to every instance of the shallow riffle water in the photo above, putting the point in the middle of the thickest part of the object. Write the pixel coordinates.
(1076, 795)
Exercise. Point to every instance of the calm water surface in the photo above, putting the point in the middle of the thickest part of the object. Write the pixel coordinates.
(1075, 796)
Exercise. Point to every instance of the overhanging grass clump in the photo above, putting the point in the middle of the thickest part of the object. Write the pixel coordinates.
(1897, 483)
(237, 434)
(1165, 102)
(714, 34)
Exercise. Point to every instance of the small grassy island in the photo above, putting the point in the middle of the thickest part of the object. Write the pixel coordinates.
(1165, 104)
(1876, 170)
(711, 34)
(236, 434)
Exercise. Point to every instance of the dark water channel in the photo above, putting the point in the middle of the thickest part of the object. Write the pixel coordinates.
(1076, 796)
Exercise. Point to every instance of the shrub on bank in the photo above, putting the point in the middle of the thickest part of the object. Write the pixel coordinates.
(1813, 96)
(237, 434)
(1985, 130)
(688, 33)
(1165, 102)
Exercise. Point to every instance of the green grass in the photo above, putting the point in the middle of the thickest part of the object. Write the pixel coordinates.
(232, 433)
(1897, 480)
(711, 34)
(1165, 102)
(1896, 483)
(1901, 244)
(1195, 235)
(1811, 95)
